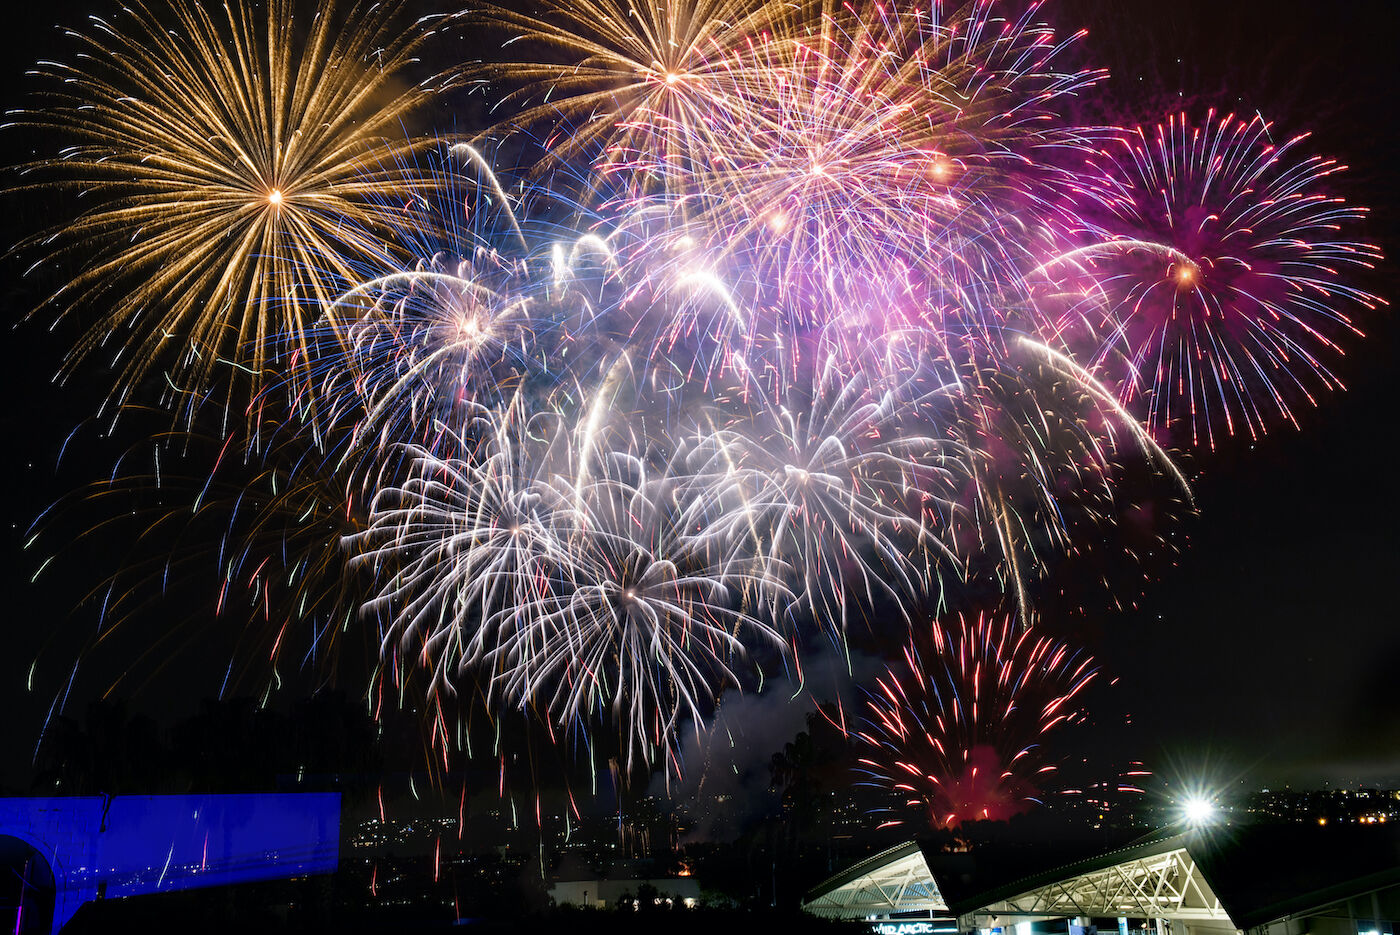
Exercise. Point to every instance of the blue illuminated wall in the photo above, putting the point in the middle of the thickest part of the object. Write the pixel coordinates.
(130, 845)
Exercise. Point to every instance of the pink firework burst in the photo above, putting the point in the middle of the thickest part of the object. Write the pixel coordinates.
(1214, 276)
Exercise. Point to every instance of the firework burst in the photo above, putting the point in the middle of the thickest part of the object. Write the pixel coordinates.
(235, 175)
(812, 315)
(630, 67)
(882, 153)
(643, 626)
(1218, 299)
(958, 725)
(564, 577)
(825, 467)
(422, 347)
(461, 543)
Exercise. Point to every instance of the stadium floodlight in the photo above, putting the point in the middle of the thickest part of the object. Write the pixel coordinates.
(1199, 810)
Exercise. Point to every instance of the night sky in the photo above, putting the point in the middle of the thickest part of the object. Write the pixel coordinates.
(1269, 654)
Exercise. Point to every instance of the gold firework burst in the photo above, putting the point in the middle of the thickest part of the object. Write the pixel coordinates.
(882, 138)
(240, 162)
(631, 67)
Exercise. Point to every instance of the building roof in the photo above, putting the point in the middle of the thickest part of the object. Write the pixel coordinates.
(967, 879)
(1001, 876)
(1267, 872)
(1246, 875)
(1259, 873)
(892, 881)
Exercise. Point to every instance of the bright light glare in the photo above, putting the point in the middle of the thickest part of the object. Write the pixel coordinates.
(1199, 811)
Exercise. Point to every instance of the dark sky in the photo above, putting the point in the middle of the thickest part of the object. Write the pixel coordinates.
(1270, 654)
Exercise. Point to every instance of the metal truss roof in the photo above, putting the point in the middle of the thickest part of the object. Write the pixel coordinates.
(895, 881)
(1163, 885)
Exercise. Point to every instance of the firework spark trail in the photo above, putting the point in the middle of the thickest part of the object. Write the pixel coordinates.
(644, 625)
(634, 65)
(958, 724)
(586, 593)
(235, 175)
(880, 153)
(1220, 297)
(1039, 467)
(265, 531)
(823, 470)
(1043, 441)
